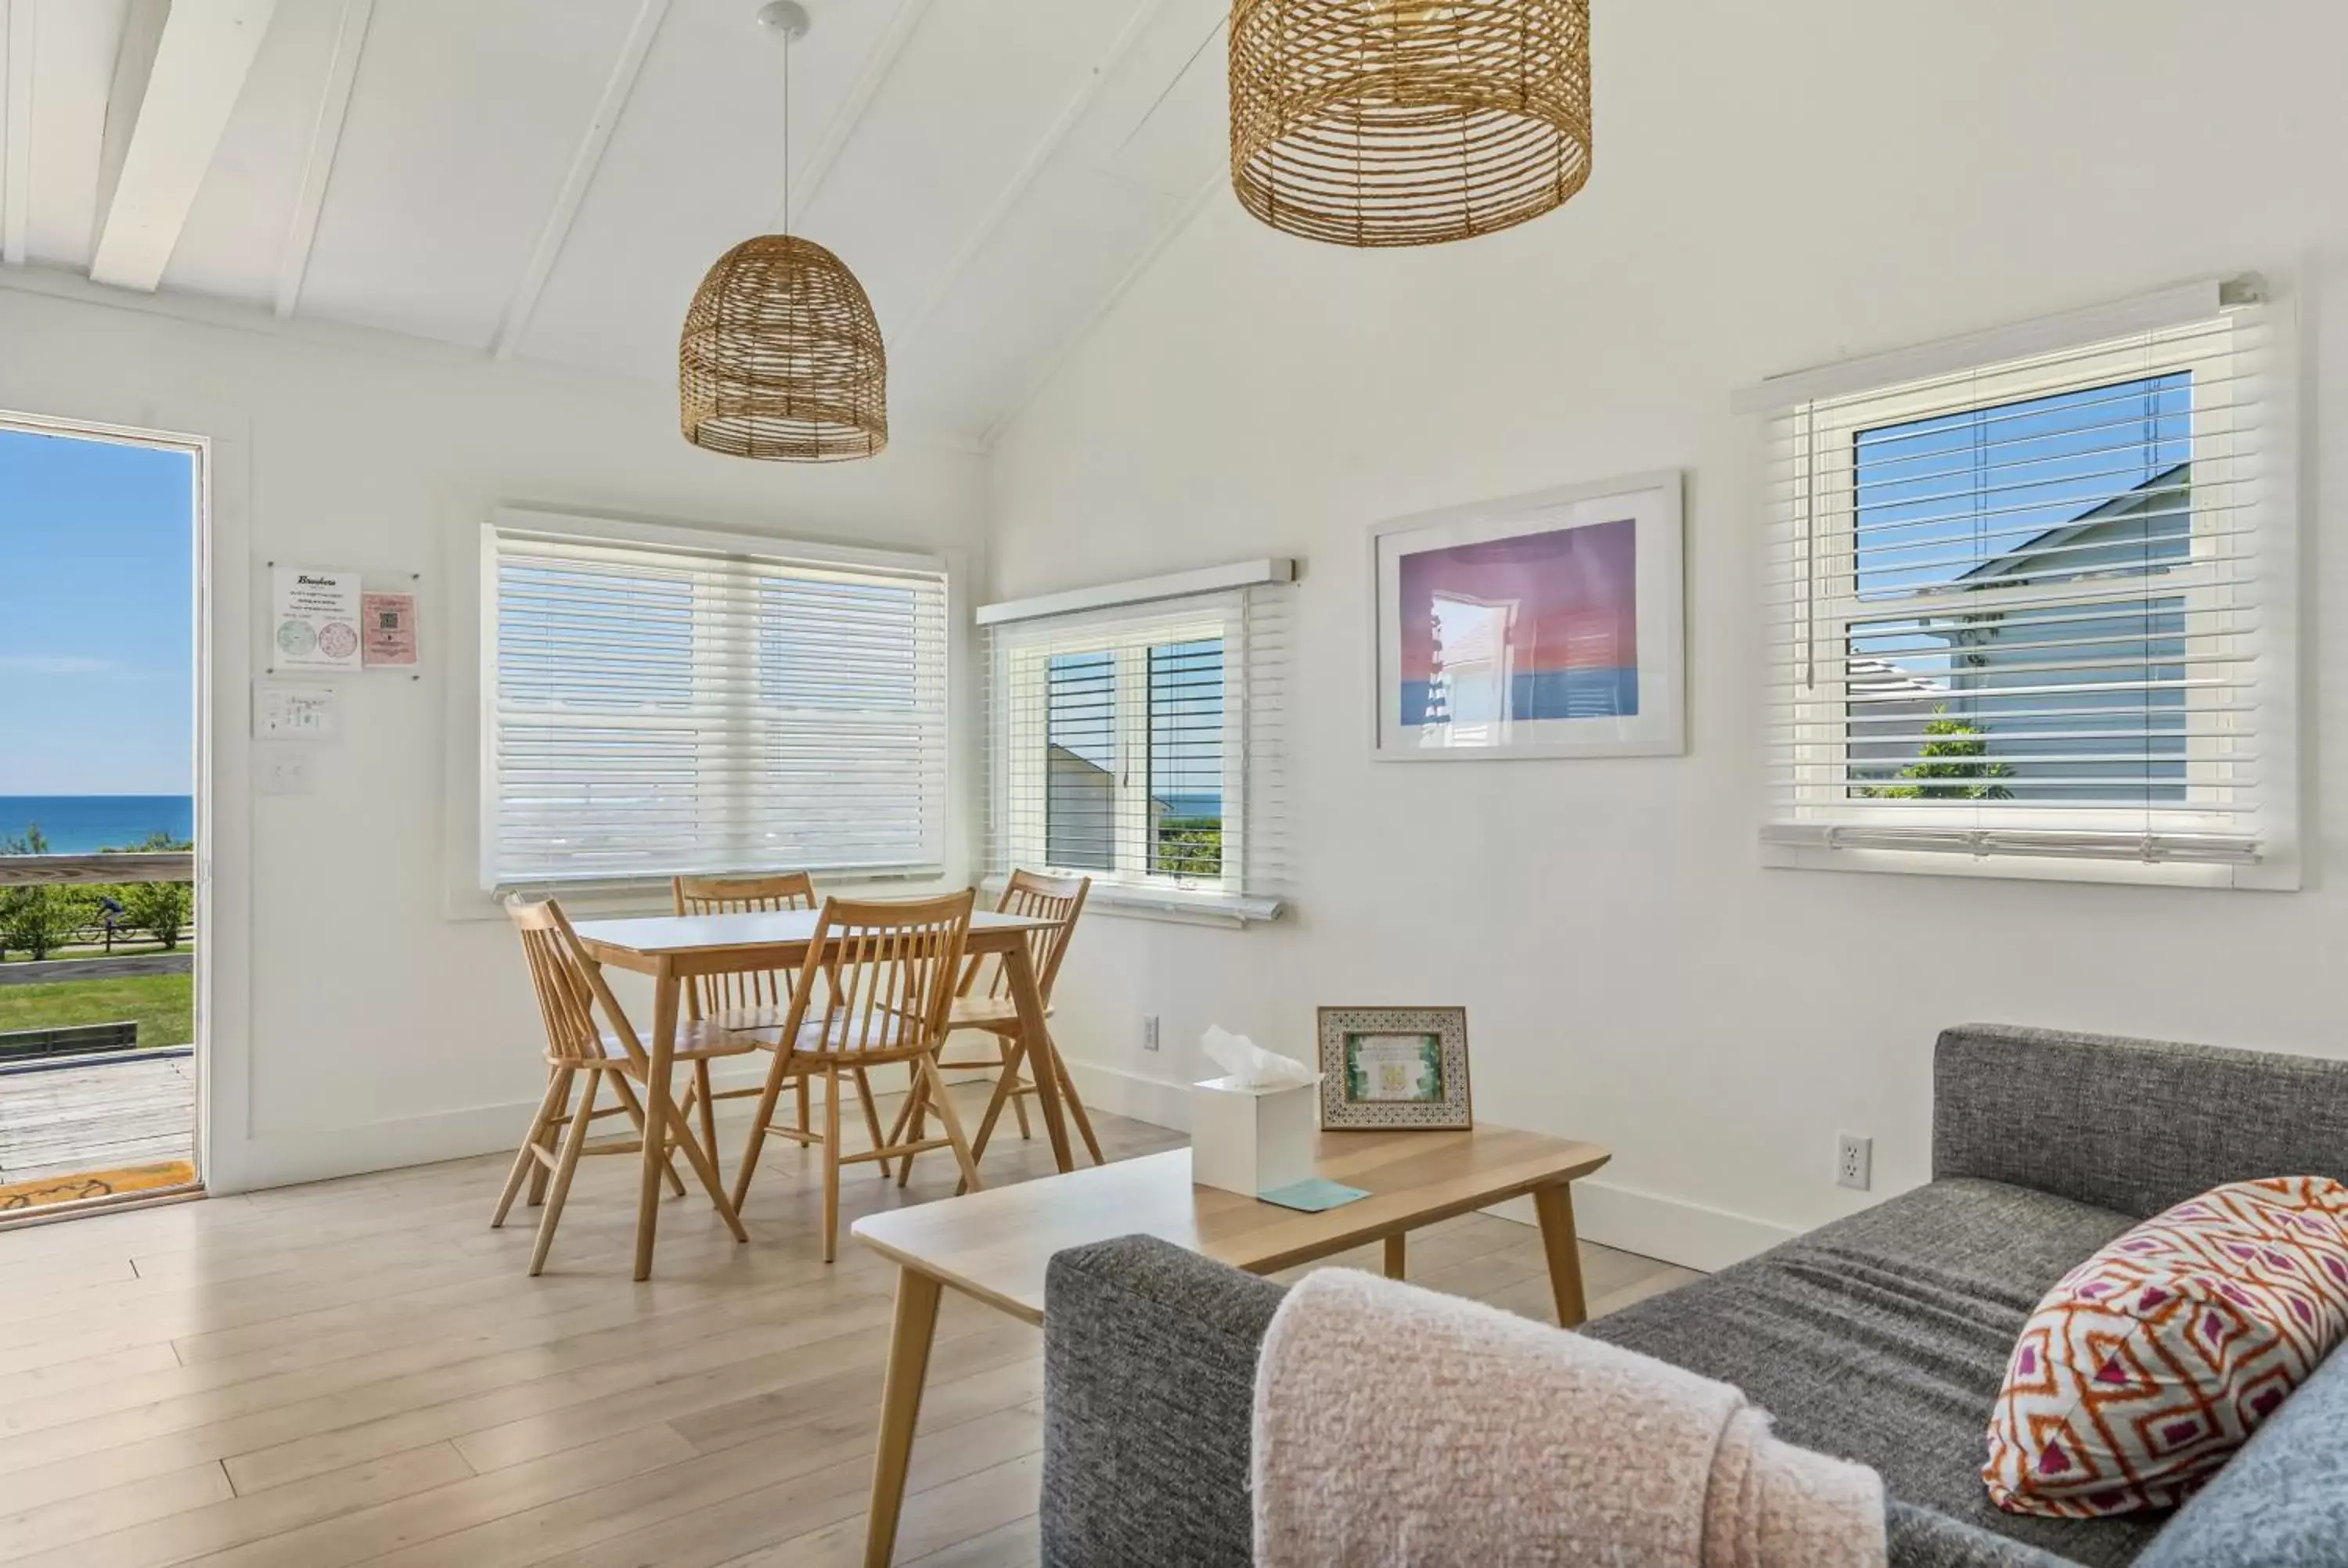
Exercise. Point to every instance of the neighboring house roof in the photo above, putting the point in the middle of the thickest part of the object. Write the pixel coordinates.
(2165, 491)
(1882, 677)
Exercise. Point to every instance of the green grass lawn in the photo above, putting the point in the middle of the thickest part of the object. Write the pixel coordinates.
(164, 1005)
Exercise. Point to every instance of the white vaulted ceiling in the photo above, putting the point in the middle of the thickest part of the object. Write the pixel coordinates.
(549, 180)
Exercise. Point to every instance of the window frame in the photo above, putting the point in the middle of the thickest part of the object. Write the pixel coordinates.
(1024, 778)
(1807, 729)
(631, 534)
(1243, 605)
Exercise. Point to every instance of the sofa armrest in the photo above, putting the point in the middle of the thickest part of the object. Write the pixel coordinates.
(2132, 1125)
(1149, 1393)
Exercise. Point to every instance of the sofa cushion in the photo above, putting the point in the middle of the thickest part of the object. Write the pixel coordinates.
(1883, 1337)
(2282, 1501)
(2145, 1367)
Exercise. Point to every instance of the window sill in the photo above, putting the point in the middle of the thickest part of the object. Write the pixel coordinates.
(1182, 906)
(626, 897)
(2275, 873)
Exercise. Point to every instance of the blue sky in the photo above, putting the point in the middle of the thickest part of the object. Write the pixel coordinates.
(96, 617)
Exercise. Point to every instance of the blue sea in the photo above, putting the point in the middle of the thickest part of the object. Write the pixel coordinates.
(85, 824)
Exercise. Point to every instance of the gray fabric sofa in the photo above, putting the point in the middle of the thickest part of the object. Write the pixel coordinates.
(1882, 1338)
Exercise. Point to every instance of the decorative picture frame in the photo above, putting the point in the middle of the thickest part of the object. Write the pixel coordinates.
(1542, 625)
(1383, 1067)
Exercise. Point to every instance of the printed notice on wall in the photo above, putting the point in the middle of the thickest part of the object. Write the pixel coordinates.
(387, 630)
(315, 618)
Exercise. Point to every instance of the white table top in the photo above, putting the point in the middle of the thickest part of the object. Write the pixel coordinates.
(654, 934)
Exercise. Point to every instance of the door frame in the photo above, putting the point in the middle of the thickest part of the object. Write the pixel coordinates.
(201, 448)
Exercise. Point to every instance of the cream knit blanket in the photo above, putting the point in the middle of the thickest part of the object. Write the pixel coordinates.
(1396, 1426)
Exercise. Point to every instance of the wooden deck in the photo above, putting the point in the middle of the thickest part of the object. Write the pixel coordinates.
(62, 1120)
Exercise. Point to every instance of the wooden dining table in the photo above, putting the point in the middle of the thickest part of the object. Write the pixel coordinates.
(674, 950)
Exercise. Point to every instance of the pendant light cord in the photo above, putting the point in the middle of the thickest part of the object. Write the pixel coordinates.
(786, 132)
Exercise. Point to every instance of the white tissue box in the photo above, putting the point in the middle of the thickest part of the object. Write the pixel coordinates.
(1252, 1141)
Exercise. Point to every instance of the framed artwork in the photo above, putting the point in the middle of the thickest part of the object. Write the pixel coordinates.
(1546, 625)
(1393, 1067)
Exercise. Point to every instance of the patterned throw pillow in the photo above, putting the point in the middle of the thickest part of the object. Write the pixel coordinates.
(2150, 1364)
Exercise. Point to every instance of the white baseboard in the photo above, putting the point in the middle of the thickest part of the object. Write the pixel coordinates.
(1156, 1101)
(288, 1159)
(1672, 1229)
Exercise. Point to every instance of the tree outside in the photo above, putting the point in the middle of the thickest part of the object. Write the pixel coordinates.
(1953, 765)
(40, 919)
(1190, 847)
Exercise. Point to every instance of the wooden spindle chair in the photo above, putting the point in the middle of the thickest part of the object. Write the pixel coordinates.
(753, 1000)
(889, 971)
(986, 1007)
(571, 993)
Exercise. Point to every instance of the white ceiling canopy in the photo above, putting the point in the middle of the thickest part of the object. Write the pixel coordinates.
(546, 180)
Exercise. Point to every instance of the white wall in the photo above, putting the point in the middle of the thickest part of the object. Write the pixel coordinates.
(1776, 187)
(365, 1011)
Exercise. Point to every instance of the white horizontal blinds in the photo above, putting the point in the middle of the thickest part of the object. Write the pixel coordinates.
(662, 710)
(2014, 610)
(1138, 744)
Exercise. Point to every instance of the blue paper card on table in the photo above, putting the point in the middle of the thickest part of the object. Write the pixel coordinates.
(1312, 1195)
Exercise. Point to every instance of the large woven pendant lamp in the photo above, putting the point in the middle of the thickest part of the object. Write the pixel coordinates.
(781, 356)
(1408, 122)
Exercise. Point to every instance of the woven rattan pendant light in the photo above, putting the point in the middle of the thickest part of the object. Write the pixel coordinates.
(781, 356)
(1408, 122)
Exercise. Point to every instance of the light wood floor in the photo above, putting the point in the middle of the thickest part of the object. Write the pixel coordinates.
(358, 1371)
(61, 1121)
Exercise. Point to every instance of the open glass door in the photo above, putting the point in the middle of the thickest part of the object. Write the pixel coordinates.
(100, 552)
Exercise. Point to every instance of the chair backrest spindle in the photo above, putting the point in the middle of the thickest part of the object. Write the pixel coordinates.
(714, 996)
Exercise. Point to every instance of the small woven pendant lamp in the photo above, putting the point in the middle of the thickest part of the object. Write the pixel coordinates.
(781, 356)
(1408, 122)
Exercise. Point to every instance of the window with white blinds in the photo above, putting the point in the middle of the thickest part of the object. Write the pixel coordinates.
(652, 708)
(1139, 744)
(2035, 606)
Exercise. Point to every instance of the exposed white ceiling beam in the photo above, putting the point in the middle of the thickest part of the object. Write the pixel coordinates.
(325, 141)
(808, 178)
(16, 134)
(134, 62)
(1008, 198)
(584, 162)
(206, 49)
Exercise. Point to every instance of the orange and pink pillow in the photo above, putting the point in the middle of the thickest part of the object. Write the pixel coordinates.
(2150, 1364)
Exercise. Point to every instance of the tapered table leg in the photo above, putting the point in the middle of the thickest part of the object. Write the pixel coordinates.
(1554, 1208)
(901, 1408)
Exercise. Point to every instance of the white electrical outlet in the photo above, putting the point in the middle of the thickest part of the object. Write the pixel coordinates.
(1854, 1161)
(1149, 1032)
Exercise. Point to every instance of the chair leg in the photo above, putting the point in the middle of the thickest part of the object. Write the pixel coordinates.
(871, 1117)
(953, 1121)
(527, 1160)
(555, 1194)
(758, 1123)
(1018, 1100)
(830, 1163)
(705, 1166)
(1007, 1086)
(636, 1109)
(539, 1171)
(806, 1121)
(1077, 1109)
(708, 1107)
(917, 1099)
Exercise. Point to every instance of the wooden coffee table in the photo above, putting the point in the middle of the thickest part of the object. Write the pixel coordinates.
(995, 1245)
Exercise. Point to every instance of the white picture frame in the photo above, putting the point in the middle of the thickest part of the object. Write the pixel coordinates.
(1586, 576)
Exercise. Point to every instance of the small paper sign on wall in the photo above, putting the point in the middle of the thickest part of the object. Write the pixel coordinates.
(315, 618)
(387, 631)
